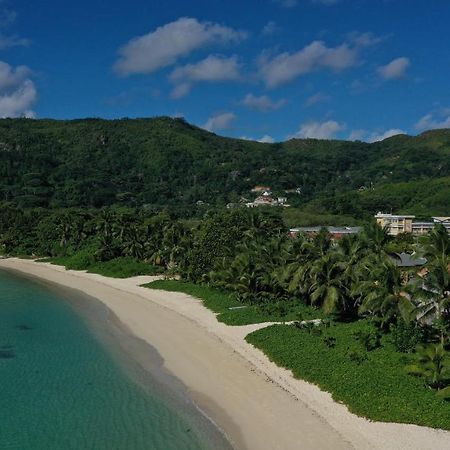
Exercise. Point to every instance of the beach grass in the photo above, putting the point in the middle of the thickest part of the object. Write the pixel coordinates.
(233, 312)
(373, 384)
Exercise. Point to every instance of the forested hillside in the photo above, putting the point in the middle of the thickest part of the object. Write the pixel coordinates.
(168, 163)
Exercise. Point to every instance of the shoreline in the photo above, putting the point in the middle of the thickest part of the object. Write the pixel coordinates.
(140, 361)
(256, 403)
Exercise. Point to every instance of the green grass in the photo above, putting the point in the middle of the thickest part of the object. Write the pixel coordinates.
(219, 302)
(123, 267)
(373, 384)
(296, 217)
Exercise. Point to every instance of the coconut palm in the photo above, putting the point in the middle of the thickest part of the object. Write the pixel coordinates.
(376, 238)
(327, 289)
(379, 290)
(433, 365)
(438, 245)
(431, 294)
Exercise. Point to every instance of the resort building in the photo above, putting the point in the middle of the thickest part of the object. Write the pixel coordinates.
(336, 232)
(260, 189)
(397, 224)
(267, 199)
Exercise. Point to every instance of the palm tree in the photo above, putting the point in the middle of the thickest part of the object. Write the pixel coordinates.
(378, 285)
(133, 242)
(376, 238)
(431, 294)
(438, 245)
(432, 365)
(327, 289)
(65, 228)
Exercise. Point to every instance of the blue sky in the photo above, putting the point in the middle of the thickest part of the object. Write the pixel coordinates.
(260, 69)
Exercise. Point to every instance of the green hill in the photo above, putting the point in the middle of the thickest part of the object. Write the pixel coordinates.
(166, 163)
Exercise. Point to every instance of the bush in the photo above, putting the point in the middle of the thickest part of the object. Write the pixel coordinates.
(372, 384)
(406, 336)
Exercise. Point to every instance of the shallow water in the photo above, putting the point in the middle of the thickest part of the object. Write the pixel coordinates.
(61, 388)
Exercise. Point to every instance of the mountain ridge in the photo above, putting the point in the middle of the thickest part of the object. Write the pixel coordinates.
(167, 163)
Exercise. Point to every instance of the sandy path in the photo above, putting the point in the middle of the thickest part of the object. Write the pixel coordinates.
(259, 405)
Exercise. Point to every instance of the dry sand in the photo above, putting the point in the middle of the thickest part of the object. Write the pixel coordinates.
(258, 405)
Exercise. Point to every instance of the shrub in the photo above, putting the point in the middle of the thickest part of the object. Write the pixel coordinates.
(406, 336)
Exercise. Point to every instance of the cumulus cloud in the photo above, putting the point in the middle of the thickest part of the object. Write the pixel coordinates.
(211, 69)
(7, 18)
(165, 45)
(270, 28)
(12, 41)
(375, 137)
(262, 103)
(17, 91)
(315, 99)
(318, 130)
(363, 135)
(266, 139)
(366, 39)
(433, 121)
(357, 135)
(395, 69)
(285, 67)
(221, 121)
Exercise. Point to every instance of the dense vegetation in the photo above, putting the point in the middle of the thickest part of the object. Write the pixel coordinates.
(372, 383)
(233, 312)
(134, 197)
(166, 164)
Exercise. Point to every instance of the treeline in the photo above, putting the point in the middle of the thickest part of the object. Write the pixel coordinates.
(166, 164)
(251, 254)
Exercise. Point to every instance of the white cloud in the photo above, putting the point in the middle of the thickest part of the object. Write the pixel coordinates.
(367, 39)
(357, 135)
(12, 41)
(11, 77)
(165, 45)
(375, 137)
(181, 90)
(7, 18)
(17, 91)
(318, 130)
(211, 69)
(221, 121)
(395, 69)
(285, 67)
(270, 28)
(433, 121)
(315, 99)
(266, 139)
(262, 103)
(364, 135)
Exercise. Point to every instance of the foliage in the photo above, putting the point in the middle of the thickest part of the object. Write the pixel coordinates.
(432, 365)
(372, 384)
(122, 267)
(406, 336)
(220, 302)
(166, 164)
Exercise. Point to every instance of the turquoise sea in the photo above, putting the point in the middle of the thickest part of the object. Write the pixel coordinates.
(62, 387)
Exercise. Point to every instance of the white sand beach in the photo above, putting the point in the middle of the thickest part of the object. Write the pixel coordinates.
(259, 405)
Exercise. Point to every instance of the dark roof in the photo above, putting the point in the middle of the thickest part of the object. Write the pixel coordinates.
(407, 260)
(332, 230)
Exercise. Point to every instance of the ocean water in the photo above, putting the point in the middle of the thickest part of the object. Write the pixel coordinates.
(61, 388)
